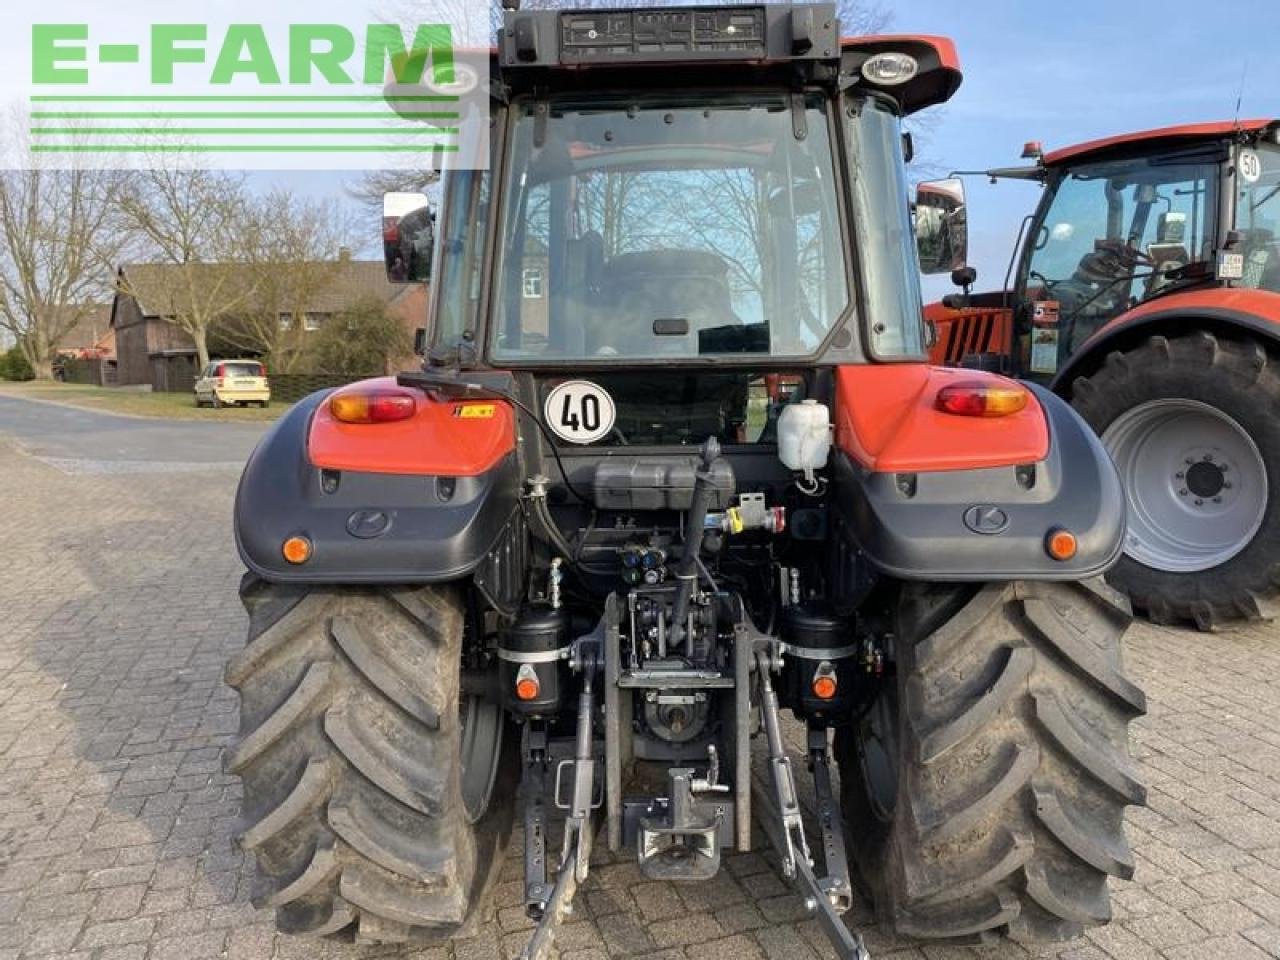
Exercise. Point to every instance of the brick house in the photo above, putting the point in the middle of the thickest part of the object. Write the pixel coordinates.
(151, 349)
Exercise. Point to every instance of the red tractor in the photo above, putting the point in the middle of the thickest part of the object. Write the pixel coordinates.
(1147, 293)
(676, 463)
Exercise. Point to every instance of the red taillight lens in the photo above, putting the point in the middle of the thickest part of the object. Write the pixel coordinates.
(221, 371)
(379, 406)
(978, 399)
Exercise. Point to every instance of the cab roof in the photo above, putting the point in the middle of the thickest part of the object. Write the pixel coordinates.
(1179, 134)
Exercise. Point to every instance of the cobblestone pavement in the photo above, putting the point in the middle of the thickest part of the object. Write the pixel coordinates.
(118, 610)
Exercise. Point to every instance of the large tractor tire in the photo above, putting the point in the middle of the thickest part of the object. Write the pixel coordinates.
(374, 795)
(1193, 423)
(984, 791)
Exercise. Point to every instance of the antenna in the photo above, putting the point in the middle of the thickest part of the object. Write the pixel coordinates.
(1244, 73)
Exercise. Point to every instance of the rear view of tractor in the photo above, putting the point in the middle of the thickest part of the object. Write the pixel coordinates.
(1147, 292)
(675, 467)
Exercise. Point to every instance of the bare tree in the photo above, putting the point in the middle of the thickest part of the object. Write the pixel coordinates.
(369, 189)
(295, 253)
(194, 223)
(60, 243)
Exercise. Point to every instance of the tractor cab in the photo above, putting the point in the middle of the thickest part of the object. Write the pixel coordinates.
(1130, 219)
(688, 190)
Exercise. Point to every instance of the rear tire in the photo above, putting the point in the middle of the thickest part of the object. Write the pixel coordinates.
(350, 751)
(993, 802)
(1189, 556)
(216, 402)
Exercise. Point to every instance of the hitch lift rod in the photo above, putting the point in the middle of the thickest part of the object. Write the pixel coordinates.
(575, 857)
(786, 829)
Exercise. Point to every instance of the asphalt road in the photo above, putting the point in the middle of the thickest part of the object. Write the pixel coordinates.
(76, 440)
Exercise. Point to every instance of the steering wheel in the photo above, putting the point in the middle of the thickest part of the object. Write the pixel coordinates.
(1111, 260)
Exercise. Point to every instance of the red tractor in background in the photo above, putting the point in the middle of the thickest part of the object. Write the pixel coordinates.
(1146, 291)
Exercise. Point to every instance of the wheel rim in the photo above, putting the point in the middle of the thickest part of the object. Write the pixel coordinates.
(481, 748)
(1195, 481)
(878, 754)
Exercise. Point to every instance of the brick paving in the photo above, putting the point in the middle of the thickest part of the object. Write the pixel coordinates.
(118, 610)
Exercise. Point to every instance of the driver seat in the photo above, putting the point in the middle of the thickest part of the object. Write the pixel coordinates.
(639, 288)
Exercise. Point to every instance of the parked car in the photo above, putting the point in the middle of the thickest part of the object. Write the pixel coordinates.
(233, 382)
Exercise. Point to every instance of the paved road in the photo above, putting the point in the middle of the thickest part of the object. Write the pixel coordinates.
(87, 441)
(118, 610)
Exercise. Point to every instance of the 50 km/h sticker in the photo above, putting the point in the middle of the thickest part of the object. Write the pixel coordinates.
(1250, 166)
(579, 411)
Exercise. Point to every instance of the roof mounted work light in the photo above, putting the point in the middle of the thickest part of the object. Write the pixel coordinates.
(890, 69)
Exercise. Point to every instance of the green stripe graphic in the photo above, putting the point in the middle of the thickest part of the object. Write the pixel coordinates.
(374, 98)
(255, 131)
(240, 115)
(240, 148)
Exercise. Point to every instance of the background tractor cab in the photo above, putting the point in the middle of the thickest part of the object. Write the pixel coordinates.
(1147, 291)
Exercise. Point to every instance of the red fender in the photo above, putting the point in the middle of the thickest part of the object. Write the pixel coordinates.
(886, 420)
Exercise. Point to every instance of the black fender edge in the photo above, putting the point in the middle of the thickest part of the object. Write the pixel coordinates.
(368, 527)
(990, 523)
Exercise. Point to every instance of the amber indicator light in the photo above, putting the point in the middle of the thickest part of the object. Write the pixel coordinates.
(1061, 544)
(296, 550)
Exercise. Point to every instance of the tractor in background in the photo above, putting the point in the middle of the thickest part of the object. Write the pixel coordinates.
(1146, 292)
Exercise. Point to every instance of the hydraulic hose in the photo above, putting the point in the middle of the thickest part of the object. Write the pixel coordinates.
(687, 571)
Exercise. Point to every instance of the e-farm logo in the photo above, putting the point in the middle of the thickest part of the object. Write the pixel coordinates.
(247, 95)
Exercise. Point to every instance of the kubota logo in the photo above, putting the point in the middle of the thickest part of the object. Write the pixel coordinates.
(986, 519)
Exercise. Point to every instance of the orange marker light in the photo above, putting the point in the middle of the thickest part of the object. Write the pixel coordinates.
(296, 549)
(1061, 544)
(824, 682)
(527, 688)
(372, 406)
(977, 398)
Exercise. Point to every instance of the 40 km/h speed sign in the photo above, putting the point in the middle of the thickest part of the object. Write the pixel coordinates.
(579, 411)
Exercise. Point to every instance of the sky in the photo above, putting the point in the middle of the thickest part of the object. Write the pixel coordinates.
(1058, 73)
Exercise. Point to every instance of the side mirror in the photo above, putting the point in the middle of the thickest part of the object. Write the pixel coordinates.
(942, 230)
(408, 237)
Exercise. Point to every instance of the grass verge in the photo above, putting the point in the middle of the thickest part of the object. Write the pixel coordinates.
(169, 406)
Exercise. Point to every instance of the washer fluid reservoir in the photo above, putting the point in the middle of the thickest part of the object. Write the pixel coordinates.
(804, 437)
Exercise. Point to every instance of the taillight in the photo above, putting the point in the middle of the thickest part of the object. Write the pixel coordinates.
(221, 371)
(372, 406)
(979, 399)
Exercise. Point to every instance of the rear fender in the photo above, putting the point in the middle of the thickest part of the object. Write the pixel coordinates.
(423, 508)
(1224, 313)
(988, 522)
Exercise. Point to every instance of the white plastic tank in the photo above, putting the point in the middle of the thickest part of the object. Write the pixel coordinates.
(804, 437)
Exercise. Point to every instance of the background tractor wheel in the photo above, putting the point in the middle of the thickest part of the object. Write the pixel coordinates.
(984, 793)
(1193, 423)
(375, 798)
